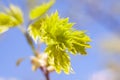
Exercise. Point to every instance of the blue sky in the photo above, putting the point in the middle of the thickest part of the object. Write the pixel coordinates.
(14, 46)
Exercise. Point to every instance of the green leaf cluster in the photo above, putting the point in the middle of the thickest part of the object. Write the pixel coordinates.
(60, 38)
(11, 18)
(13, 15)
(57, 33)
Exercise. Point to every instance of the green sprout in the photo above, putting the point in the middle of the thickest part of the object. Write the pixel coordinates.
(57, 33)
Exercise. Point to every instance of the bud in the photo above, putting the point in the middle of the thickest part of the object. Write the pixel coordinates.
(42, 62)
(35, 61)
(44, 56)
(34, 68)
(50, 68)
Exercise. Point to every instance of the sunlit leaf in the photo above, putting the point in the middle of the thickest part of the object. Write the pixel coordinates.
(34, 30)
(15, 12)
(60, 39)
(58, 58)
(13, 17)
(79, 42)
(40, 10)
(7, 21)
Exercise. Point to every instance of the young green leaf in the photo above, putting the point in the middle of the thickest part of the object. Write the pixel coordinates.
(40, 10)
(61, 39)
(7, 21)
(13, 17)
(15, 12)
(79, 42)
(59, 59)
(34, 29)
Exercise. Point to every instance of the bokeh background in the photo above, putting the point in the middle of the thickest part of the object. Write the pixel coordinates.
(101, 20)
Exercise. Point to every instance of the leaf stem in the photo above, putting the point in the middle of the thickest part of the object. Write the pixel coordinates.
(29, 40)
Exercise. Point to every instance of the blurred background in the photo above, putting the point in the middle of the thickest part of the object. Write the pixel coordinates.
(101, 20)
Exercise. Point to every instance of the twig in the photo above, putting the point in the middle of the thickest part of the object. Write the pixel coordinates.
(47, 76)
(29, 40)
(45, 72)
(35, 51)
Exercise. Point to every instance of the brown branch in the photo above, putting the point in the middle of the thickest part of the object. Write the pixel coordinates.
(47, 76)
(29, 40)
(45, 72)
(35, 51)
